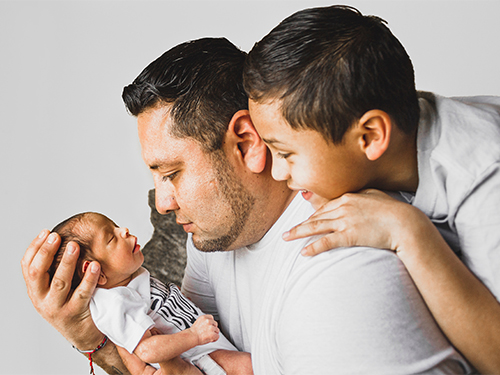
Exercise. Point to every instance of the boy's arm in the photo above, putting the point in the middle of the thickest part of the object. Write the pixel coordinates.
(69, 314)
(464, 308)
(160, 348)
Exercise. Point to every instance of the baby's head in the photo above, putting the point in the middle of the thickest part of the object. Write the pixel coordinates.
(101, 240)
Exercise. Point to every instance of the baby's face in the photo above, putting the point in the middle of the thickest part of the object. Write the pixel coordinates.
(304, 158)
(116, 250)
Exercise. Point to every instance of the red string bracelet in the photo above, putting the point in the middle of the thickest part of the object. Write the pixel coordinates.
(90, 352)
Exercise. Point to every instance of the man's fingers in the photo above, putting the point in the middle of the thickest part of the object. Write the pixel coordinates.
(63, 277)
(37, 261)
(82, 294)
(32, 250)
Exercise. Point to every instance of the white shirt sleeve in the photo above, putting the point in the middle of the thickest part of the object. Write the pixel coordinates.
(478, 226)
(357, 311)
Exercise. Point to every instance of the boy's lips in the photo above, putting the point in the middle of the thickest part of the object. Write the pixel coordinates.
(306, 194)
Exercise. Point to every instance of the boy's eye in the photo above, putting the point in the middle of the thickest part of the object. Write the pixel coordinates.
(111, 239)
(282, 155)
(169, 177)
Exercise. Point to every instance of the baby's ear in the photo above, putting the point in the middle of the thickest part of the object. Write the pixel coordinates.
(102, 277)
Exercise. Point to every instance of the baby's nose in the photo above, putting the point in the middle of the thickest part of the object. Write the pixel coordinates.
(125, 232)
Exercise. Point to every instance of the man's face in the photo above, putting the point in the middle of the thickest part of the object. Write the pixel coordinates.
(304, 158)
(201, 188)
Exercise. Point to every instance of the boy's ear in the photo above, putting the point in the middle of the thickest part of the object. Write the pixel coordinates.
(375, 129)
(246, 142)
(102, 277)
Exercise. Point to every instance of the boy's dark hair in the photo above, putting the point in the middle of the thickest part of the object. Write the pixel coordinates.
(66, 230)
(202, 80)
(329, 66)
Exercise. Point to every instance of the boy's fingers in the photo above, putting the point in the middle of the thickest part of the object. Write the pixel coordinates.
(325, 243)
(309, 228)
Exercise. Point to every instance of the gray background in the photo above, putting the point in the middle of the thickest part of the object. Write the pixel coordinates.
(67, 145)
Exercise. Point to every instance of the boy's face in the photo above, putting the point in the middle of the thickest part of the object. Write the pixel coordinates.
(305, 159)
(115, 249)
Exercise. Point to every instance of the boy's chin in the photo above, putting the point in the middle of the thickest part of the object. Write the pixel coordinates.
(317, 201)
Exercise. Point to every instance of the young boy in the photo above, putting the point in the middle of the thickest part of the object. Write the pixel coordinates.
(137, 312)
(332, 94)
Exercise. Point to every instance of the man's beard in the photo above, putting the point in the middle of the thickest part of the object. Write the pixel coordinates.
(239, 199)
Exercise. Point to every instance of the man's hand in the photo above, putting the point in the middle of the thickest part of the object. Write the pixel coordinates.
(206, 330)
(67, 312)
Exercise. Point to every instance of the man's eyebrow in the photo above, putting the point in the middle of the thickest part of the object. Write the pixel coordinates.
(156, 166)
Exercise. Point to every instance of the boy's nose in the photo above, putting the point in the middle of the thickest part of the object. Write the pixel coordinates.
(279, 171)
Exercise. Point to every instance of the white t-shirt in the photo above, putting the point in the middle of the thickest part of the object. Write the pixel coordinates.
(459, 178)
(347, 311)
(125, 313)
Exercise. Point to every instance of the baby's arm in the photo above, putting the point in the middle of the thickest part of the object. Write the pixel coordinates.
(464, 308)
(233, 362)
(161, 348)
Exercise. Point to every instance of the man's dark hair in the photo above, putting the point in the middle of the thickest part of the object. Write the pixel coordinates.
(329, 66)
(202, 80)
(67, 232)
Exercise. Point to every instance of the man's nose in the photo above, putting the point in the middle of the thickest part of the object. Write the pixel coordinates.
(165, 202)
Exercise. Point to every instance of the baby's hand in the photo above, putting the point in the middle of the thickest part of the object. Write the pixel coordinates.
(206, 330)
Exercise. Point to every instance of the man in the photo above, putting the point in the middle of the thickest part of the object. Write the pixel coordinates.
(348, 311)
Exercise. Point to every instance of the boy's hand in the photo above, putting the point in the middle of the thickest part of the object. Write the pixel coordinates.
(69, 314)
(206, 330)
(368, 218)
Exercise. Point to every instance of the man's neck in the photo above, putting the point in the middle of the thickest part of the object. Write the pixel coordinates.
(268, 209)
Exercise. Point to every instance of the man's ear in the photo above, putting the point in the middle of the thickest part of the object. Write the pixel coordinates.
(247, 143)
(102, 277)
(375, 129)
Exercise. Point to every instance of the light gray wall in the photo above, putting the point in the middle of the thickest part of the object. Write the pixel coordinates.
(67, 145)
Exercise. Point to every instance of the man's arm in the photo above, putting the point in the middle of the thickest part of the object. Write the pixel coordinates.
(357, 311)
(69, 314)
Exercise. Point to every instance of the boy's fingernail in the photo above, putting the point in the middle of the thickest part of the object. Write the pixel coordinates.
(286, 235)
(43, 233)
(304, 252)
(52, 238)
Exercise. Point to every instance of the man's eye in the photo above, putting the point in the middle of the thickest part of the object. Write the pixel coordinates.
(169, 177)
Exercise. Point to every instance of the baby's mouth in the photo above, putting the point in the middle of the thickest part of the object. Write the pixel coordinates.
(136, 247)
